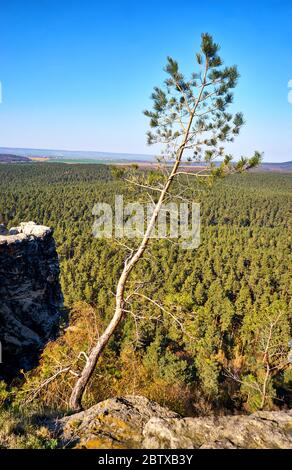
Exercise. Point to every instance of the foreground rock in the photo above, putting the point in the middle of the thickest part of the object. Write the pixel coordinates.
(116, 423)
(135, 422)
(30, 294)
(261, 430)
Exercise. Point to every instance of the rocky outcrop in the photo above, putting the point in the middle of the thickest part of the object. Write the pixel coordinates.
(261, 430)
(116, 423)
(135, 422)
(30, 295)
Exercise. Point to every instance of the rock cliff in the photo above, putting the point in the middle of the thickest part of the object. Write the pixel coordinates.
(136, 422)
(30, 295)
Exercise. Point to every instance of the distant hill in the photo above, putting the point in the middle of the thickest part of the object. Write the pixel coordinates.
(8, 158)
(77, 155)
(8, 155)
(279, 167)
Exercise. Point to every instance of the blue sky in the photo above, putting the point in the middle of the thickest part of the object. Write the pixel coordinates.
(77, 74)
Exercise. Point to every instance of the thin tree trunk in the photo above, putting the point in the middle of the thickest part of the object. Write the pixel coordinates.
(79, 388)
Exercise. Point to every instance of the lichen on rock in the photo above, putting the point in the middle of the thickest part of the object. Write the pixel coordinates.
(136, 422)
(260, 430)
(116, 423)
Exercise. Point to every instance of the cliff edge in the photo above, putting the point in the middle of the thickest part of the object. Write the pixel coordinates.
(30, 295)
(136, 422)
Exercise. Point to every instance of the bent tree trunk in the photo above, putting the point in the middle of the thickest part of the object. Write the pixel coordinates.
(79, 388)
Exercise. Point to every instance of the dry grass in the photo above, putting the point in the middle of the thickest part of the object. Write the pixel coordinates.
(18, 431)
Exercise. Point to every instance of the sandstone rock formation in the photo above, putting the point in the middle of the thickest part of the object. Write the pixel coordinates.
(136, 422)
(261, 430)
(116, 423)
(30, 295)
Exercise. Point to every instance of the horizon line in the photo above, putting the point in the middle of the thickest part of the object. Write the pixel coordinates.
(104, 152)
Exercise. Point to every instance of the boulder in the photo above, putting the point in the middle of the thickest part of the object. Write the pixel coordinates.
(135, 422)
(261, 430)
(116, 423)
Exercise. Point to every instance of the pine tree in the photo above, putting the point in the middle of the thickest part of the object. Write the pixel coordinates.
(188, 117)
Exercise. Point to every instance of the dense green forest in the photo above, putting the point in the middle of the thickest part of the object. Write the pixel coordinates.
(224, 304)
